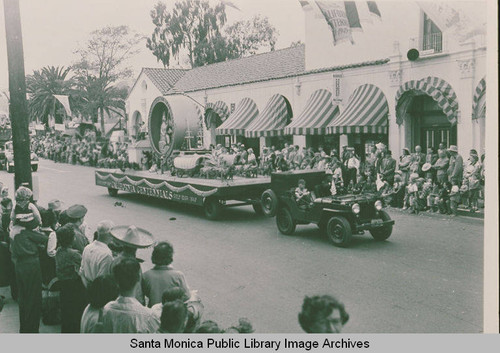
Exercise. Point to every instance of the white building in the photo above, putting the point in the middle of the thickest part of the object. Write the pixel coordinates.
(330, 95)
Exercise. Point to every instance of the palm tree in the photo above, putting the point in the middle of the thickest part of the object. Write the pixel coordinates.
(41, 88)
(96, 97)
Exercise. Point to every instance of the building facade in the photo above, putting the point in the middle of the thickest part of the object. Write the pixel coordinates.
(405, 82)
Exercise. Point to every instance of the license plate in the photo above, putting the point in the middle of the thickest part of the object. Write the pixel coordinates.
(376, 222)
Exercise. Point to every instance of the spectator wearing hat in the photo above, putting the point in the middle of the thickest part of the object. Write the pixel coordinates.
(97, 257)
(76, 215)
(55, 205)
(456, 166)
(126, 314)
(129, 239)
(162, 276)
(441, 167)
(24, 250)
(322, 314)
(68, 262)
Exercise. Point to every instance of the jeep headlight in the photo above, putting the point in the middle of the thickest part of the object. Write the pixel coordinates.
(355, 208)
(378, 205)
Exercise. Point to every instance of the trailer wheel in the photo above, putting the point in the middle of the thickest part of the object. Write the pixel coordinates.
(339, 231)
(112, 192)
(257, 207)
(269, 202)
(212, 208)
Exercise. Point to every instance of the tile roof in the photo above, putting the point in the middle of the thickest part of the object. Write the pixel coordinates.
(164, 79)
(260, 67)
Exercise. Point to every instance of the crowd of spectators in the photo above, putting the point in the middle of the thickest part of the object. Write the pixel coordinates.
(436, 181)
(83, 151)
(100, 282)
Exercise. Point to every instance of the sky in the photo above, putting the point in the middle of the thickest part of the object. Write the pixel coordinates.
(53, 29)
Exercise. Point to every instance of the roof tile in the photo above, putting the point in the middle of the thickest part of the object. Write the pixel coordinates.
(260, 67)
(164, 79)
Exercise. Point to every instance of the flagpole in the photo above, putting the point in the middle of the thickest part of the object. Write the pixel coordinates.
(18, 106)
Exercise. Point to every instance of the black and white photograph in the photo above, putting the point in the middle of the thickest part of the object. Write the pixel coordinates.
(248, 166)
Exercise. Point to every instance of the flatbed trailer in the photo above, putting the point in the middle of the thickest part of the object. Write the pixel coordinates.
(212, 194)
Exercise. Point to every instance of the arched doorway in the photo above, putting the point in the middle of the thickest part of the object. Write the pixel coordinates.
(428, 110)
(426, 124)
(137, 123)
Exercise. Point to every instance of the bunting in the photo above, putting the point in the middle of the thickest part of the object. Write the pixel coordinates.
(336, 17)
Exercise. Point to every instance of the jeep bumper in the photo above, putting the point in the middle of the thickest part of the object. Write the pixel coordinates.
(374, 224)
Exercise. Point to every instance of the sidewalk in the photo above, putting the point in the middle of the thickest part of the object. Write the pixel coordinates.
(462, 212)
(9, 316)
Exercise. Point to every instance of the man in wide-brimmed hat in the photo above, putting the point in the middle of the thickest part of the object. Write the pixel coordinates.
(456, 166)
(129, 239)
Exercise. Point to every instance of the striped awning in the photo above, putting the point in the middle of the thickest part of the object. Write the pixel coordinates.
(220, 109)
(317, 114)
(366, 113)
(439, 90)
(272, 120)
(244, 114)
(478, 101)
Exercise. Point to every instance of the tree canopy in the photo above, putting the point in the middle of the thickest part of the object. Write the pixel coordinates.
(197, 28)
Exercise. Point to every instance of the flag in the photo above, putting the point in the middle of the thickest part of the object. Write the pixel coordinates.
(352, 15)
(373, 8)
(452, 20)
(304, 3)
(336, 17)
(230, 4)
(64, 100)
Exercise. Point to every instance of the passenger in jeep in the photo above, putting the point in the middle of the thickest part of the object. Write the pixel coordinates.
(303, 196)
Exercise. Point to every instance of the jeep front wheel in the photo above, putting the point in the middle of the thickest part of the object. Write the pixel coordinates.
(339, 231)
(285, 222)
(383, 232)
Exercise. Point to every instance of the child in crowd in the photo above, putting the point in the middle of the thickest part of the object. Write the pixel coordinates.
(426, 191)
(398, 192)
(25, 214)
(444, 198)
(433, 198)
(413, 194)
(454, 199)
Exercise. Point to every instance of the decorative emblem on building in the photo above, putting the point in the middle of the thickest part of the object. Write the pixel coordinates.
(466, 67)
(395, 78)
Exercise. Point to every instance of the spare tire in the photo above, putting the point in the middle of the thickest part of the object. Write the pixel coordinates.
(269, 202)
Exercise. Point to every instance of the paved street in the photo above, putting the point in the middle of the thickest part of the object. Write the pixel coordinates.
(428, 277)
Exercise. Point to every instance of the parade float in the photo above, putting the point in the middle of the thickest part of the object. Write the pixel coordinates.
(187, 175)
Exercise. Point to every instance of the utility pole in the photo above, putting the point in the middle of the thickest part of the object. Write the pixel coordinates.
(18, 106)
